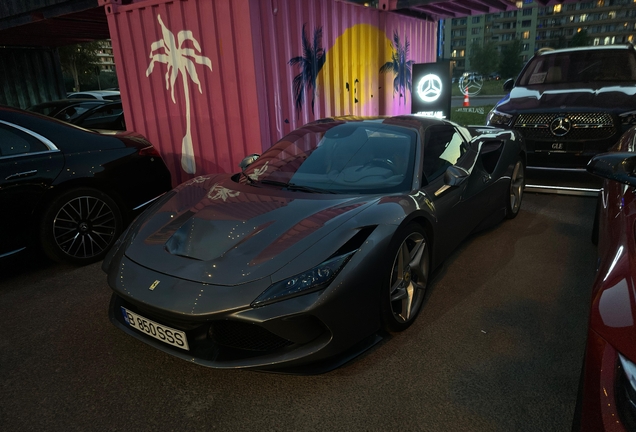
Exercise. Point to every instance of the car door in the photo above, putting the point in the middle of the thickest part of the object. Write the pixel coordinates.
(454, 205)
(29, 163)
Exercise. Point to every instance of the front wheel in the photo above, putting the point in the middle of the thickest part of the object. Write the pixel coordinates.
(80, 226)
(405, 286)
(517, 185)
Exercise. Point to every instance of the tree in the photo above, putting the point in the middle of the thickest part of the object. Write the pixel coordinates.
(311, 62)
(511, 61)
(180, 59)
(580, 39)
(400, 66)
(79, 59)
(484, 58)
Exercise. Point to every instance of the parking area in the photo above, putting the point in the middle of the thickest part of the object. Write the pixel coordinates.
(498, 347)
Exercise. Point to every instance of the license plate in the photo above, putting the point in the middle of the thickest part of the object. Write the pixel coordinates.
(165, 334)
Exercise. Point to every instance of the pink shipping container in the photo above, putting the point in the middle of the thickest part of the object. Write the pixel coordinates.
(211, 81)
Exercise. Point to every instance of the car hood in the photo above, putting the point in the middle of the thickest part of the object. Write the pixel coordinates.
(609, 98)
(216, 231)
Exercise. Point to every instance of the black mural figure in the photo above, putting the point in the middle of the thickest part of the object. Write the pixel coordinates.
(311, 62)
(400, 66)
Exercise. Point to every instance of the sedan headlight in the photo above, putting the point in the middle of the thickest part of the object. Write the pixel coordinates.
(626, 392)
(312, 280)
(498, 118)
(628, 118)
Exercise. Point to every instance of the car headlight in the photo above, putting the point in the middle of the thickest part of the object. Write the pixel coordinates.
(626, 392)
(628, 118)
(498, 118)
(129, 233)
(312, 280)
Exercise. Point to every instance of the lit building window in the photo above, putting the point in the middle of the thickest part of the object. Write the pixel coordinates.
(557, 8)
(526, 35)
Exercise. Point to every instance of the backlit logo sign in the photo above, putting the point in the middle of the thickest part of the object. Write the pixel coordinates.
(560, 126)
(429, 88)
(432, 89)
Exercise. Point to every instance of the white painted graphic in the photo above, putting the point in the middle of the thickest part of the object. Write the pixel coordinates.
(429, 88)
(259, 172)
(219, 192)
(179, 59)
(197, 180)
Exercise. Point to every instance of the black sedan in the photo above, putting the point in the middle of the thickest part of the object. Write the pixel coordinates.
(329, 237)
(109, 116)
(69, 189)
(66, 109)
(89, 114)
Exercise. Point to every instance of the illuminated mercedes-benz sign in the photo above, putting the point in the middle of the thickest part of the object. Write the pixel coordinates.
(429, 88)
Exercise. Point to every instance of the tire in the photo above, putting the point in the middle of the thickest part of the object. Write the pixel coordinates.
(405, 282)
(80, 226)
(515, 191)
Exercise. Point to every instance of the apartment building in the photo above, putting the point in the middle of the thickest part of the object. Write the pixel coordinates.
(607, 22)
(106, 59)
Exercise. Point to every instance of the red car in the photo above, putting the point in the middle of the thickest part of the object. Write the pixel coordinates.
(608, 383)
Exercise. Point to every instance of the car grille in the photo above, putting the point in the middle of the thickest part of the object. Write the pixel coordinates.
(585, 126)
(245, 336)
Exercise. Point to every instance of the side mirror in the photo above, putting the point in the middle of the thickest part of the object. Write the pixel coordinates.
(454, 175)
(248, 160)
(508, 85)
(619, 167)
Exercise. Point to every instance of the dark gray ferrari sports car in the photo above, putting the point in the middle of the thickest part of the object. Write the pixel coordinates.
(317, 248)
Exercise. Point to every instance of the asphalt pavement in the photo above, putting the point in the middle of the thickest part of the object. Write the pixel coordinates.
(497, 347)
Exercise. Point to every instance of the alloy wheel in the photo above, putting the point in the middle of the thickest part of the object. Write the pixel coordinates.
(409, 277)
(517, 183)
(84, 227)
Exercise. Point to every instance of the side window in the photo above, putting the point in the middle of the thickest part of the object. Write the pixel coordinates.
(75, 111)
(107, 111)
(444, 146)
(15, 142)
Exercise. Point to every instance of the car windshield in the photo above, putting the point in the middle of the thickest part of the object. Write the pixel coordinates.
(338, 157)
(580, 67)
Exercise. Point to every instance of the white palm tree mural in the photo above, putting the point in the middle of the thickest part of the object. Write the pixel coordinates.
(178, 58)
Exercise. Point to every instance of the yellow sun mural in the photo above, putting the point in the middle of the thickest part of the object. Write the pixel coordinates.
(348, 80)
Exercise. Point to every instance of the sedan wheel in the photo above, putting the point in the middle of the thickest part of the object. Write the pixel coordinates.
(407, 280)
(517, 185)
(80, 226)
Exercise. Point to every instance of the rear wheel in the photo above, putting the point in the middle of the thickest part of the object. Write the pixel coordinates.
(517, 185)
(405, 286)
(80, 226)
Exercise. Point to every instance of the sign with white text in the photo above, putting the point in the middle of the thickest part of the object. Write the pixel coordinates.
(431, 89)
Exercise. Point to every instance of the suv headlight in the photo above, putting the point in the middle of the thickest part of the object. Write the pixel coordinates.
(628, 118)
(498, 118)
(312, 280)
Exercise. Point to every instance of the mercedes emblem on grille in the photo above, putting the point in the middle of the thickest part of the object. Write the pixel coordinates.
(560, 126)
